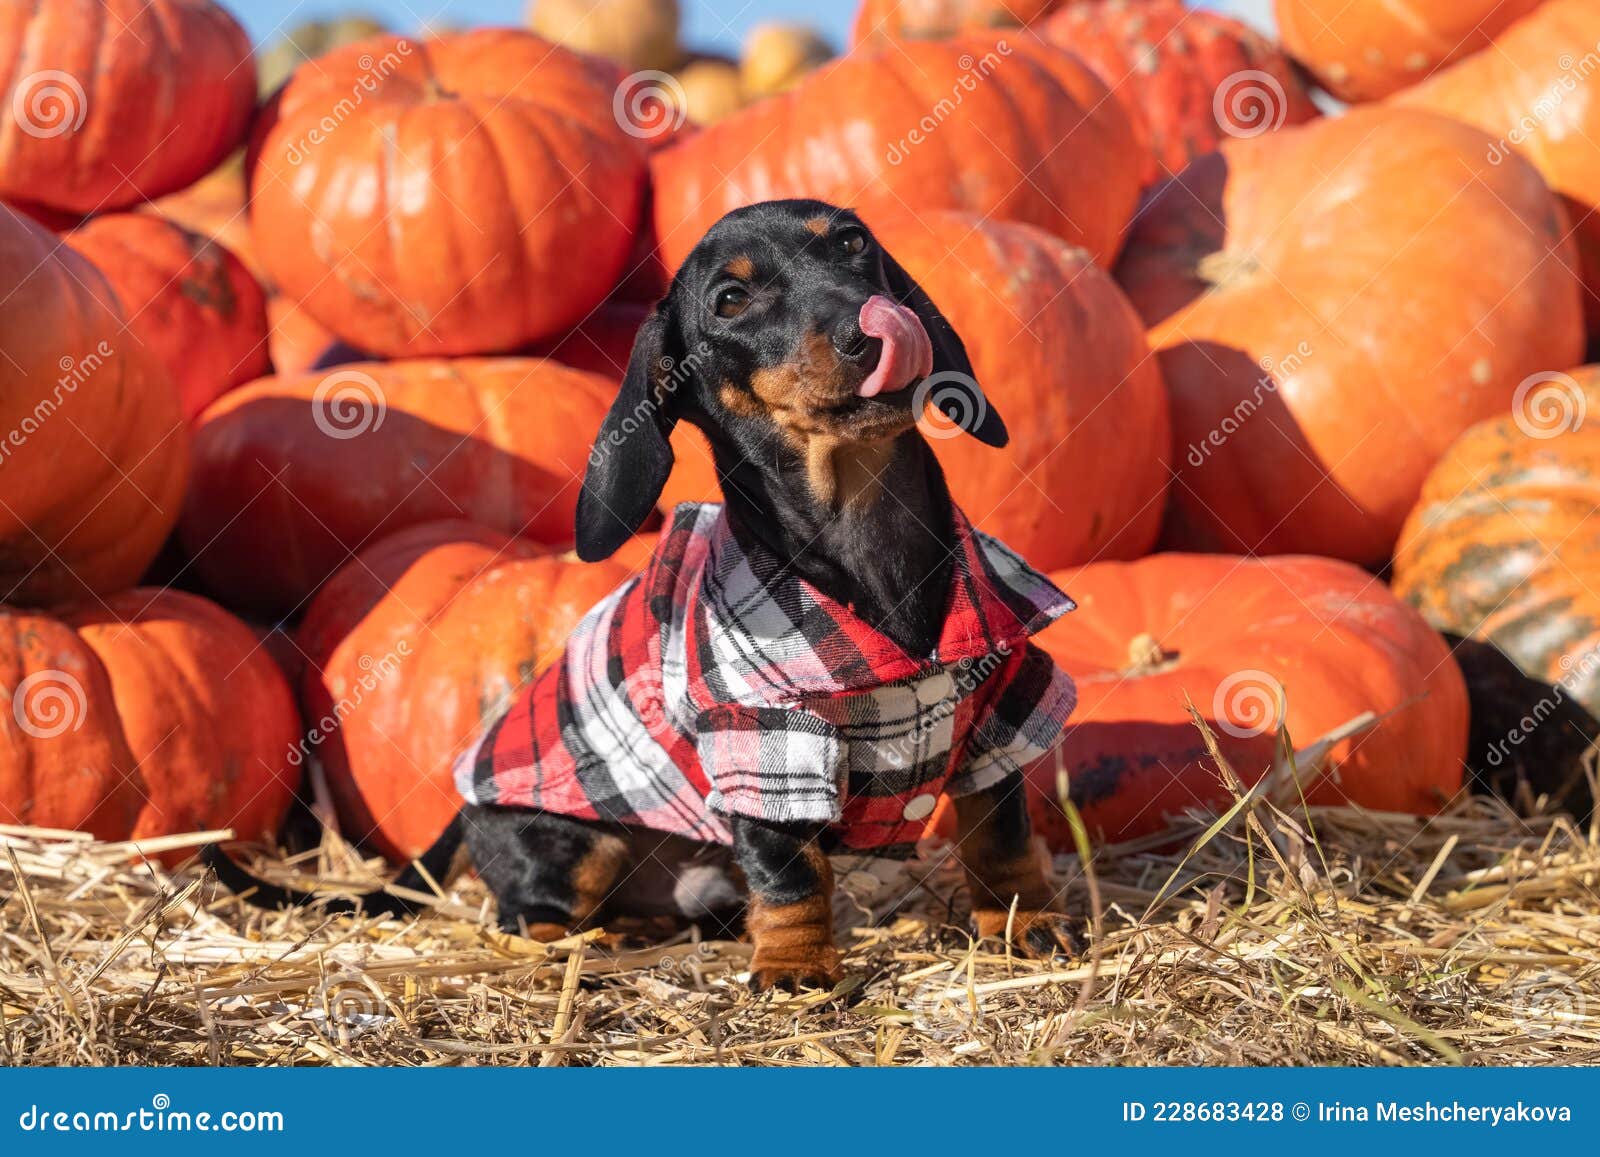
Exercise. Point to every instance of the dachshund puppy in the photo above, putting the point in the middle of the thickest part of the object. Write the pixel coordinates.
(804, 668)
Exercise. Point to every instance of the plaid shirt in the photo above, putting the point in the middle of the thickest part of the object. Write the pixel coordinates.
(719, 683)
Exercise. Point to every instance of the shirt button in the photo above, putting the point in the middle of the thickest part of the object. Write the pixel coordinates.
(919, 807)
(935, 688)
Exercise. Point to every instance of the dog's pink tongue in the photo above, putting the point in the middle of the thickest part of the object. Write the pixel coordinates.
(907, 353)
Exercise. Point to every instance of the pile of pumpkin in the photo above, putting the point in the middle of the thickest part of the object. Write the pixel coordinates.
(320, 366)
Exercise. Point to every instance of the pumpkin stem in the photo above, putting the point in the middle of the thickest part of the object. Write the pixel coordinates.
(1145, 654)
(1226, 266)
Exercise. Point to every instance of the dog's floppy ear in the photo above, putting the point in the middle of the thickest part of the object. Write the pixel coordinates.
(955, 385)
(632, 456)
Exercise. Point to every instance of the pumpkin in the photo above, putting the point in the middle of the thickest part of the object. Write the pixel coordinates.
(93, 449)
(709, 90)
(441, 212)
(1525, 93)
(308, 40)
(1327, 322)
(145, 714)
(1001, 129)
(117, 101)
(892, 20)
(293, 473)
(637, 34)
(412, 648)
(776, 55)
(1187, 78)
(187, 299)
(1504, 544)
(1242, 639)
(1365, 49)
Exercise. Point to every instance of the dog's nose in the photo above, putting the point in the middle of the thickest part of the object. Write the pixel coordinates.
(853, 345)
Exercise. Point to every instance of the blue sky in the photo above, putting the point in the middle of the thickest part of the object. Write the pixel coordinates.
(708, 25)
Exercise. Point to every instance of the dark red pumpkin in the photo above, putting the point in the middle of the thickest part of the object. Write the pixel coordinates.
(293, 474)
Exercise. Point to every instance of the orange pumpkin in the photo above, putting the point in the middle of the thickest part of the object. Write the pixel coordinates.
(1366, 49)
(1504, 545)
(478, 193)
(893, 20)
(1000, 128)
(294, 473)
(117, 101)
(1329, 319)
(187, 299)
(93, 449)
(415, 645)
(1188, 78)
(146, 714)
(1526, 93)
(1241, 639)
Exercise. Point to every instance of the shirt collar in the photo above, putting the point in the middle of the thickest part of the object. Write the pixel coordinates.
(792, 640)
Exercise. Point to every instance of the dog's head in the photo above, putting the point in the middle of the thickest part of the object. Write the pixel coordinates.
(788, 333)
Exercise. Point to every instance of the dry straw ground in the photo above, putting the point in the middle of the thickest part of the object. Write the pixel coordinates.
(1273, 935)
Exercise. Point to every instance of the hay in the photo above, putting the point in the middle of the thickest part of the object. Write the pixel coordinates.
(1329, 936)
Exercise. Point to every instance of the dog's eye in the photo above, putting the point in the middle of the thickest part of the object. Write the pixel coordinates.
(731, 302)
(850, 240)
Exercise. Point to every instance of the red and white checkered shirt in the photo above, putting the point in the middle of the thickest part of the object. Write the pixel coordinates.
(719, 683)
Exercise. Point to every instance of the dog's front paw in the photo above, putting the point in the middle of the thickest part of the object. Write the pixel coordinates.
(1037, 933)
(791, 972)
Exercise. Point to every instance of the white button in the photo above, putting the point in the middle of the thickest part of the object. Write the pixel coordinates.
(935, 688)
(920, 807)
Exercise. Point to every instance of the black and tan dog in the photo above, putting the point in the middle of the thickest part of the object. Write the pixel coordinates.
(794, 342)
